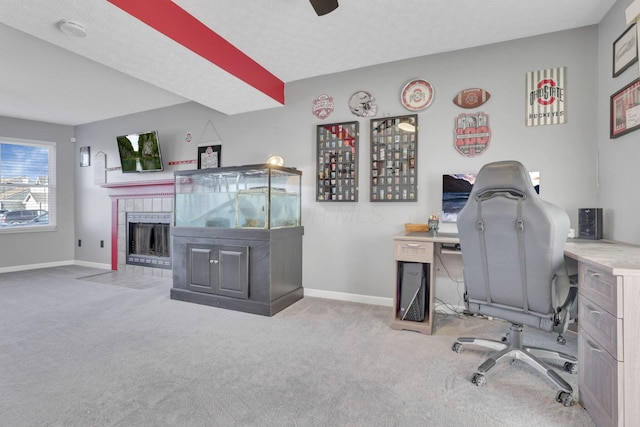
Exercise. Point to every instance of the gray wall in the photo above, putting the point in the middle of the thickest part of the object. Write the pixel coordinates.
(619, 157)
(53, 247)
(348, 246)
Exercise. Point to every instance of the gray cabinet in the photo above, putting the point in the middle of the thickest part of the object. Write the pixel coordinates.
(218, 269)
(251, 270)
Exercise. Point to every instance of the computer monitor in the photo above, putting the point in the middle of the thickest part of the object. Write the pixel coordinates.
(456, 188)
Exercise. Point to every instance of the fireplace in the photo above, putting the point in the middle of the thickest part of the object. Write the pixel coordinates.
(140, 197)
(149, 239)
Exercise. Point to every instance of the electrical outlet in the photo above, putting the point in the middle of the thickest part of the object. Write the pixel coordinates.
(79, 243)
(102, 243)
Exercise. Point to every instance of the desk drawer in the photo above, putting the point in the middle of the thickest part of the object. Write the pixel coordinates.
(605, 329)
(600, 286)
(598, 375)
(413, 251)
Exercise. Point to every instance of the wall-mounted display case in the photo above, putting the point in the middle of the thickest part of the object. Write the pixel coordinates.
(337, 162)
(394, 154)
(255, 196)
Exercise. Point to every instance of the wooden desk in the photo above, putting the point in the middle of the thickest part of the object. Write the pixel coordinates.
(422, 248)
(608, 330)
(609, 326)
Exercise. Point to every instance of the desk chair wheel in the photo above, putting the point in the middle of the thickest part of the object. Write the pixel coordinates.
(571, 367)
(565, 398)
(457, 347)
(478, 379)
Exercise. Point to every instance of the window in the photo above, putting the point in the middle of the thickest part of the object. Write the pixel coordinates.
(27, 185)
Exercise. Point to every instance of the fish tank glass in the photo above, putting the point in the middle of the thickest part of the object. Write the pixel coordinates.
(255, 196)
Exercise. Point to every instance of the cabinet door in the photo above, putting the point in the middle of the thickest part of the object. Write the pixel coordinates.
(219, 269)
(232, 271)
(200, 268)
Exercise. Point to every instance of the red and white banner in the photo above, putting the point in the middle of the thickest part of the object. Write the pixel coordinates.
(546, 92)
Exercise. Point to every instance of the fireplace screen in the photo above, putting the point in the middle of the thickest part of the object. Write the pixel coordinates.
(149, 239)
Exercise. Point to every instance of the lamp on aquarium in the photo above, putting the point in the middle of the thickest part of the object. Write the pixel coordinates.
(275, 160)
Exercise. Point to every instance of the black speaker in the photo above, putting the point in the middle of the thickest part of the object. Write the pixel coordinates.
(322, 7)
(590, 223)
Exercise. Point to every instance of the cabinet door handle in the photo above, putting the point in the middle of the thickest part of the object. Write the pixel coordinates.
(413, 245)
(592, 274)
(213, 261)
(593, 310)
(593, 347)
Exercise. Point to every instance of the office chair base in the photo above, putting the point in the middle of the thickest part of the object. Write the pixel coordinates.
(512, 348)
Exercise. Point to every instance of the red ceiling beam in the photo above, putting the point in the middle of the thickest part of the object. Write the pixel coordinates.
(182, 27)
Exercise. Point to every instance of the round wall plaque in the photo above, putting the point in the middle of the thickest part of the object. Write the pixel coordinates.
(417, 95)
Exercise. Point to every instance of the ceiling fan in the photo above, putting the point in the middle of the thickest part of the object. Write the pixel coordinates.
(322, 7)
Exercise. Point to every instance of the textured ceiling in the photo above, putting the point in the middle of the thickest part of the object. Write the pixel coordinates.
(124, 66)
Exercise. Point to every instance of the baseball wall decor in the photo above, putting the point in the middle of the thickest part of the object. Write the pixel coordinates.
(471, 98)
(546, 97)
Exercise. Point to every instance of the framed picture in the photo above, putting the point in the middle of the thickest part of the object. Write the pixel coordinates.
(337, 162)
(625, 51)
(625, 109)
(394, 153)
(209, 156)
(85, 156)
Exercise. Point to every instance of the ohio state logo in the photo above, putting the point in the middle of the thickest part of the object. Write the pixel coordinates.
(472, 133)
(546, 93)
(322, 106)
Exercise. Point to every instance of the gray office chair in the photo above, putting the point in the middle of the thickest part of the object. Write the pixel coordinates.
(512, 246)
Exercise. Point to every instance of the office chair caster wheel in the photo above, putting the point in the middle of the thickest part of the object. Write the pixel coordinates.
(561, 340)
(565, 398)
(571, 367)
(457, 347)
(478, 379)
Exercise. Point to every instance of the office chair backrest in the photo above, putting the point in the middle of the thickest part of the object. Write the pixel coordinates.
(512, 246)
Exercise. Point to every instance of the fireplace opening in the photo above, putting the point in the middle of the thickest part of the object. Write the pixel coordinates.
(149, 239)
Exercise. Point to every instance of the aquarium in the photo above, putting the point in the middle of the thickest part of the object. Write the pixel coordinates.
(254, 196)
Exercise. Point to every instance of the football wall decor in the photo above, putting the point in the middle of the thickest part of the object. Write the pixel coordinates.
(471, 98)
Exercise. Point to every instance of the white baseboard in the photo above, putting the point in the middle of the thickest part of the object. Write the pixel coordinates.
(26, 267)
(35, 266)
(343, 296)
(92, 265)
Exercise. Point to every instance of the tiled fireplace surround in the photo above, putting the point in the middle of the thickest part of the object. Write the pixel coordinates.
(143, 196)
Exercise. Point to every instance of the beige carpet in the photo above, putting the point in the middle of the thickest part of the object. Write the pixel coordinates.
(77, 352)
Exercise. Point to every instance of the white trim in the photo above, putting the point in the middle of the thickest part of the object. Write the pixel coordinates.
(26, 267)
(92, 265)
(35, 266)
(343, 296)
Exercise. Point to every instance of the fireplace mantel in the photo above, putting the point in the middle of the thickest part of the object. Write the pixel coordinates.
(159, 187)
